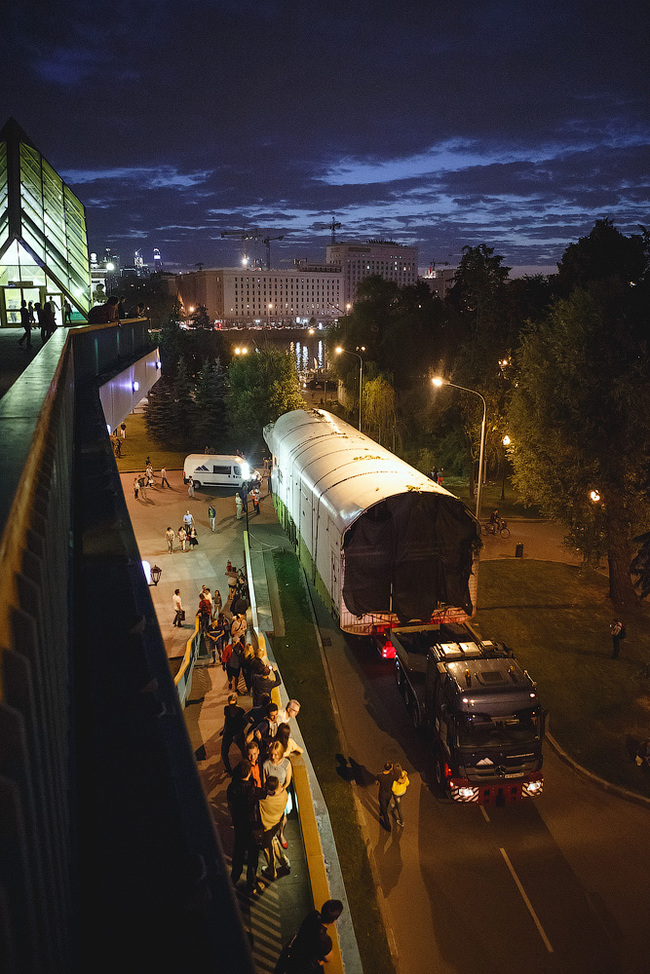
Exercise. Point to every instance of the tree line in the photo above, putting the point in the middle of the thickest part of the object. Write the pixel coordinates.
(563, 364)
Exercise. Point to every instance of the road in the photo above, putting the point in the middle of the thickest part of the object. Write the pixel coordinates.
(556, 885)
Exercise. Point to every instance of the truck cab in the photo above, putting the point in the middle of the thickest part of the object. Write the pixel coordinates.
(482, 709)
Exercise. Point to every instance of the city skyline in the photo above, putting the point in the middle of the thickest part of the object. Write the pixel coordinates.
(514, 127)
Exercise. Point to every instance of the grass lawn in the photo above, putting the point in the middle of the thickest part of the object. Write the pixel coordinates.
(299, 659)
(138, 446)
(556, 618)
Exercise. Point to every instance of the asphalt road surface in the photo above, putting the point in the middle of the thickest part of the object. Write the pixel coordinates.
(554, 885)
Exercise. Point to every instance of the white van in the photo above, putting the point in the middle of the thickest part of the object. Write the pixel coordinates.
(211, 470)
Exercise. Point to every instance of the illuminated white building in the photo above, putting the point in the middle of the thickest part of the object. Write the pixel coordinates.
(236, 295)
(384, 258)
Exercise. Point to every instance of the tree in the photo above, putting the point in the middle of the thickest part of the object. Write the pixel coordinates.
(379, 411)
(262, 387)
(211, 420)
(158, 411)
(200, 318)
(171, 339)
(580, 422)
(604, 254)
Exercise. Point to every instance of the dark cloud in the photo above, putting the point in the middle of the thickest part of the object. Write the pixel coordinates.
(507, 123)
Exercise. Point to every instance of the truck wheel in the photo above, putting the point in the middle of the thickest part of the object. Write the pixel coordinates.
(439, 772)
(414, 711)
(197, 484)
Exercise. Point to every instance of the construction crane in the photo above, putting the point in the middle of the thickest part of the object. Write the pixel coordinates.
(333, 225)
(257, 235)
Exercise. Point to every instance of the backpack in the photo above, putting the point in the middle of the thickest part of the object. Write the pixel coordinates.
(226, 653)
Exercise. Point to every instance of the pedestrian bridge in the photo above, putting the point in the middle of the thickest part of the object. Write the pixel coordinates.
(106, 843)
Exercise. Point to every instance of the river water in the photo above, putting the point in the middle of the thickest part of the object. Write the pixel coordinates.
(307, 349)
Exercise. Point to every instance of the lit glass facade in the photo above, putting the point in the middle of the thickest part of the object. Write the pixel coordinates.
(43, 243)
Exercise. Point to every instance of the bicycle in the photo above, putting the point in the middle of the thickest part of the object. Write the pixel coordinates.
(497, 526)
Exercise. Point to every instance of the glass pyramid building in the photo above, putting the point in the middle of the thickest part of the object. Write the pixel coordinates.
(43, 244)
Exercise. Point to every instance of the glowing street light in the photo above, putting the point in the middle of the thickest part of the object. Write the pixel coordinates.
(437, 381)
(345, 351)
(506, 443)
(243, 350)
(594, 496)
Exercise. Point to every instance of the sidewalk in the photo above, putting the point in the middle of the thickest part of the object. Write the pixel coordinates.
(275, 915)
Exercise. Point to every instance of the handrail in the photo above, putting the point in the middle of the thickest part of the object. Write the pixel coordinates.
(184, 674)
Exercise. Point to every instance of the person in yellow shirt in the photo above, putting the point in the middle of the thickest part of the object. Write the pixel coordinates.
(400, 784)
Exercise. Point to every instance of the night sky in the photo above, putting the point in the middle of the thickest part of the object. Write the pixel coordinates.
(514, 124)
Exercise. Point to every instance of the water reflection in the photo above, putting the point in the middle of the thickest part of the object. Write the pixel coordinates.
(308, 350)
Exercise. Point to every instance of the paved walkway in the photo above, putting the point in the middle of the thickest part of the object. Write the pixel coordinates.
(274, 916)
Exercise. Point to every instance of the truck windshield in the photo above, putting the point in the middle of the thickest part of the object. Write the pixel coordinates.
(483, 730)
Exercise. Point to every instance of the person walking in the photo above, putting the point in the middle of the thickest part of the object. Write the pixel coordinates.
(239, 506)
(212, 516)
(178, 609)
(617, 630)
(170, 535)
(233, 724)
(190, 486)
(188, 521)
(123, 430)
(216, 604)
(385, 781)
(243, 797)
(312, 946)
(255, 497)
(194, 540)
(182, 537)
(143, 488)
(26, 324)
(136, 487)
(400, 785)
(163, 475)
(271, 814)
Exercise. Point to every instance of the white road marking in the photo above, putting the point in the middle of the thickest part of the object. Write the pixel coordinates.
(521, 889)
(484, 813)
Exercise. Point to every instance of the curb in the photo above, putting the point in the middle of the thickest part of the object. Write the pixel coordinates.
(381, 899)
(607, 786)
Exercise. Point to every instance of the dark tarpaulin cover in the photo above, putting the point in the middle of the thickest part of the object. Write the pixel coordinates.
(420, 544)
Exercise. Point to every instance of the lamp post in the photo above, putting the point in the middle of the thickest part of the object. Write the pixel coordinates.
(345, 351)
(445, 382)
(506, 443)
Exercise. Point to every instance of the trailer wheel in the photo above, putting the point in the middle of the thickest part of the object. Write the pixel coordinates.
(197, 484)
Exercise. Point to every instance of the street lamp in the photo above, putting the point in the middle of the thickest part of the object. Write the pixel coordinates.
(156, 572)
(445, 382)
(506, 443)
(345, 351)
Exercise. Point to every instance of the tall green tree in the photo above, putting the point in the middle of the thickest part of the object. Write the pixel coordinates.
(604, 254)
(211, 420)
(380, 418)
(580, 422)
(261, 387)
